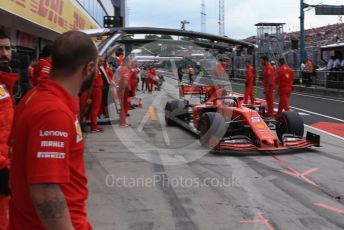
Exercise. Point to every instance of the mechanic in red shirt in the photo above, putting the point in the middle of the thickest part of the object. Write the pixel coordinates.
(133, 80)
(42, 69)
(150, 80)
(7, 81)
(221, 68)
(48, 181)
(269, 84)
(249, 84)
(123, 91)
(108, 70)
(96, 97)
(284, 85)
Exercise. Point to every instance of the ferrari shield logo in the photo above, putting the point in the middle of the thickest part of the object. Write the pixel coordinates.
(3, 92)
(78, 131)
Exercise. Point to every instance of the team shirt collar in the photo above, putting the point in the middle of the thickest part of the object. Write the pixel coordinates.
(61, 93)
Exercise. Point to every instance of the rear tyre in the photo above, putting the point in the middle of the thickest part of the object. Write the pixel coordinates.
(212, 128)
(174, 110)
(289, 123)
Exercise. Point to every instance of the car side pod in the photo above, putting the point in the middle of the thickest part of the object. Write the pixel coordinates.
(313, 138)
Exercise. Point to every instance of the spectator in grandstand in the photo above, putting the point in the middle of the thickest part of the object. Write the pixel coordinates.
(342, 65)
(269, 84)
(7, 82)
(310, 72)
(284, 84)
(330, 63)
(303, 72)
(42, 69)
(337, 61)
(47, 180)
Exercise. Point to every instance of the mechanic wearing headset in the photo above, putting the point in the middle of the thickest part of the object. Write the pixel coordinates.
(268, 83)
(7, 81)
(284, 85)
(249, 84)
(48, 180)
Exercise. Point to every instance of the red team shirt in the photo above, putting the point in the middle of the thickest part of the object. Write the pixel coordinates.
(285, 78)
(41, 71)
(47, 148)
(269, 77)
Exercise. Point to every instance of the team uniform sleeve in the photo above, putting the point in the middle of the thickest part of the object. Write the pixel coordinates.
(47, 157)
(44, 71)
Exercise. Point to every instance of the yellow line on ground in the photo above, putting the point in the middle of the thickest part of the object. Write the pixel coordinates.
(152, 113)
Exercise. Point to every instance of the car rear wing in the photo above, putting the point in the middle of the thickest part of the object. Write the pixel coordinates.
(196, 89)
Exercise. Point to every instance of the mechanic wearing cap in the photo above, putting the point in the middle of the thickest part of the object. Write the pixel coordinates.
(42, 69)
(268, 83)
(284, 85)
(249, 84)
(7, 81)
(96, 97)
(48, 181)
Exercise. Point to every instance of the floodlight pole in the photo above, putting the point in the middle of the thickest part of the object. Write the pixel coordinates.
(302, 30)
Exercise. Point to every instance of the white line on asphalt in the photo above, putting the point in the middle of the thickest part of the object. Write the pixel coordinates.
(323, 131)
(300, 113)
(323, 98)
(318, 114)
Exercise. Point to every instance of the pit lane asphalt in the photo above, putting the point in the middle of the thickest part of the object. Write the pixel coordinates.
(259, 183)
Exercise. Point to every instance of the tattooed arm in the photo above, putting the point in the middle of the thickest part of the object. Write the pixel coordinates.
(51, 206)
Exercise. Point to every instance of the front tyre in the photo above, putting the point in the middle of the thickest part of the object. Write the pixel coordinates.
(212, 128)
(289, 123)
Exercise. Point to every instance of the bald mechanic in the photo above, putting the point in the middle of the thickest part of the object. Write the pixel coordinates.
(7, 81)
(269, 84)
(48, 178)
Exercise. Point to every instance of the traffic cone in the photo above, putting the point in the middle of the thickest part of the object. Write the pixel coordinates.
(140, 103)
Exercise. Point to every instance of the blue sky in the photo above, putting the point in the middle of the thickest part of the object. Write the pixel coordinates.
(241, 15)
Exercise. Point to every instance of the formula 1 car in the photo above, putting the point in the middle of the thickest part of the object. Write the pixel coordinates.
(224, 122)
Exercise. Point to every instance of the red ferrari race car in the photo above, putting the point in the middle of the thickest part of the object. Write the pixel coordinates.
(224, 122)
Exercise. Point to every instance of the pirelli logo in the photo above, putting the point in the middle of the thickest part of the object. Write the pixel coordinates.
(51, 155)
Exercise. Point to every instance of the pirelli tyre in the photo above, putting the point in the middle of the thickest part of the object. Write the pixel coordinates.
(212, 128)
(289, 123)
(175, 110)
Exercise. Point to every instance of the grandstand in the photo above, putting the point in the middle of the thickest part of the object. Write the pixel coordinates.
(314, 39)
